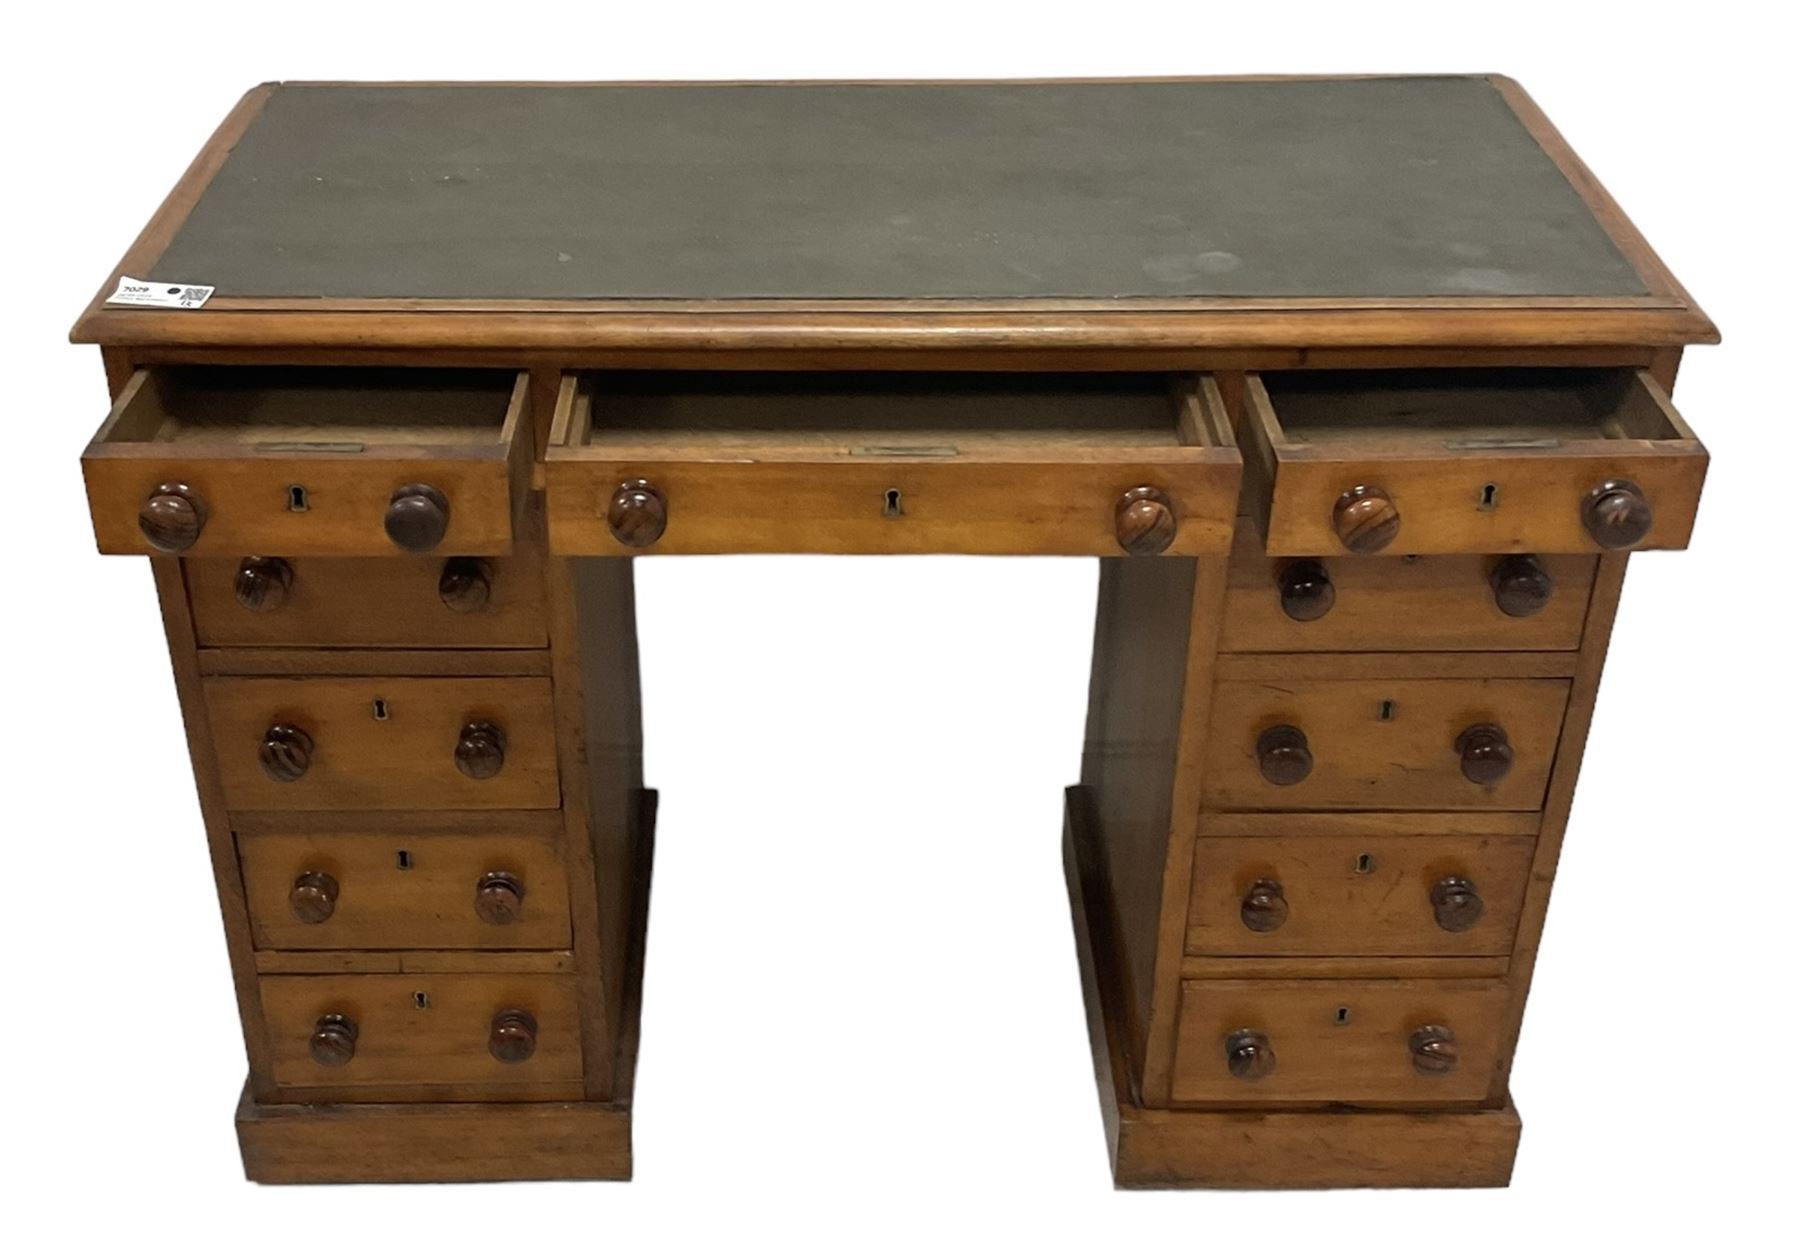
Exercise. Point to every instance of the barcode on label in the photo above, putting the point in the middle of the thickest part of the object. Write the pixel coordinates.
(164, 296)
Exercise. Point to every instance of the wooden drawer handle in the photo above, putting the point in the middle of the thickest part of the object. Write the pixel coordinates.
(1144, 521)
(1249, 1054)
(1283, 755)
(313, 897)
(1306, 590)
(1433, 1049)
(1486, 754)
(466, 584)
(512, 1038)
(1617, 514)
(172, 517)
(1522, 587)
(1365, 519)
(285, 753)
(1265, 907)
(637, 514)
(262, 584)
(499, 897)
(418, 516)
(1456, 904)
(333, 1043)
(480, 750)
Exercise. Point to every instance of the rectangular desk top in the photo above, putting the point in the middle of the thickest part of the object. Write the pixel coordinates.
(1305, 199)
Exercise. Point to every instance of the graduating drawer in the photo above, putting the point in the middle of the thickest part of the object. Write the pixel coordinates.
(315, 461)
(349, 891)
(463, 602)
(1412, 1041)
(478, 1035)
(1452, 895)
(710, 462)
(1386, 745)
(384, 742)
(1470, 461)
(1345, 603)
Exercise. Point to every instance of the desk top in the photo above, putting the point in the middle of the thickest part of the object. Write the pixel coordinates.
(1304, 198)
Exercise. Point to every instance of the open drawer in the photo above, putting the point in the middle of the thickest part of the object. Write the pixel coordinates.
(1474, 461)
(890, 463)
(311, 461)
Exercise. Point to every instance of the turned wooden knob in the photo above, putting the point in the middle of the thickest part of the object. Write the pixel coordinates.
(262, 584)
(1617, 514)
(499, 897)
(466, 584)
(313, 897)
(1144, 521)
(1522, 587)
(1433, 1049)
(1249, 1054)
(512, 1038)
(1365, 519)
(171, 517)
(1283, 755)
(637, 514)
(480, 750)
(1306, 590)
(1264, 908)
(1456, 904)
(418, 515)
(1486, 754)
(333, 1041)
(285, 753)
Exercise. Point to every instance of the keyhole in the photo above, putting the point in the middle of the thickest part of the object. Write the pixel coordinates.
(1365, 864)
(296, 495)
(421, 1000)
(1385, 712)
(890, 504)
(381, 708)
(1490, 497)
(403, 860)
(1342, 1017)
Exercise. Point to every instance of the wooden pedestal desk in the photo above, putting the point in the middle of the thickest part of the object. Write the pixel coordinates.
(1358, 389)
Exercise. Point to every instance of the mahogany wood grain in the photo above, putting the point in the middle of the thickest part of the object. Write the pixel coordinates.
(1335, 1041)
(294, 486)
(425, 1029)
(407, 891)
(1383, 744)
(405, 758)
(1356, 896)
(397, 601)
(1389, 602)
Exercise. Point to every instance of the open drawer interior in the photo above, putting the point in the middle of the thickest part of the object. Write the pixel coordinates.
(1472, 460)
(310, 460)
(889, 462)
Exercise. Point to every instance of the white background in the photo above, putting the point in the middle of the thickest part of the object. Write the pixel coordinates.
(864, 1027)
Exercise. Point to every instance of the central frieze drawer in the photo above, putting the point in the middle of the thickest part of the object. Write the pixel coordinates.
(1388, 745)
(859, 463)
(384, 743)
(1400, 1041)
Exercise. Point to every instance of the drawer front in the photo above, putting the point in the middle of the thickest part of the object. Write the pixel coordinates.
(333, 462)
(356, 1037)
(1471, 461)
(923, 465)
(1341, 603)
(1357, 896)
(1392, 745)
(1380, 1042)
(364, 891)
(384, 743)
(463, 602)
